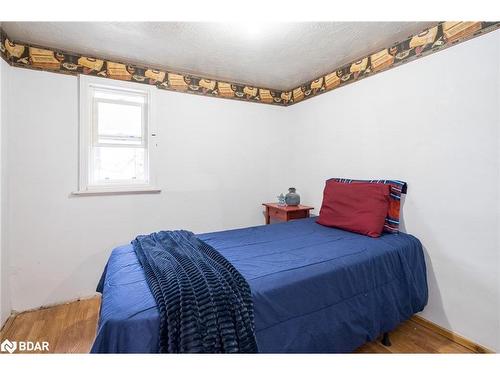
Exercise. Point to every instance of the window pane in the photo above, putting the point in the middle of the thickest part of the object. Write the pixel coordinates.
(112, 164)
(119, 123)
(117, 95)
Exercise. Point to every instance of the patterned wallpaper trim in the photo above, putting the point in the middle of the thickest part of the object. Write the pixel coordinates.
(25, 55)
(434, 39)
(431, 40)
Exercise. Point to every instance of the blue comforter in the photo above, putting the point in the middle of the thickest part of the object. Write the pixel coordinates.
(315, 289)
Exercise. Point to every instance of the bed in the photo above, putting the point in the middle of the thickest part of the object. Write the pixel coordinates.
(315, 289)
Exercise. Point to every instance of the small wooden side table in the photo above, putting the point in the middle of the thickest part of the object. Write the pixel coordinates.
(286, 213)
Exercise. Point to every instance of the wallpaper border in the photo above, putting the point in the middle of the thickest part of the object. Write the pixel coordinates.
(431, 40)
(31, 56)
(434, 39)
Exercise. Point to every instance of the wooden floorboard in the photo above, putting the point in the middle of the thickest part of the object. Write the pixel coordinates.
(410, 337)
(68, 328)
(71, 328)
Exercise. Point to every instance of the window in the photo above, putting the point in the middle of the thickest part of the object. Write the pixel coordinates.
(117, 142)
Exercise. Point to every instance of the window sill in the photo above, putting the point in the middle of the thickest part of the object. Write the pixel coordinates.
(117, 191)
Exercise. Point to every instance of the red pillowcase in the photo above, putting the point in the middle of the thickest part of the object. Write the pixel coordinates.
(359, 207)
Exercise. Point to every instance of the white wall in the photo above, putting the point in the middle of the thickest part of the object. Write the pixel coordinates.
(218, 163)
(435, 124)
(5, 302)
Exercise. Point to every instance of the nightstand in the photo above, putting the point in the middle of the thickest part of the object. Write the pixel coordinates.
(286, 213)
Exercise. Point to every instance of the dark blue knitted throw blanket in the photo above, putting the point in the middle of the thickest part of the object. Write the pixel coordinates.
(205, 304)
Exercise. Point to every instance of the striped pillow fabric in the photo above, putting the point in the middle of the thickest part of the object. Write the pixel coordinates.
(391, 224)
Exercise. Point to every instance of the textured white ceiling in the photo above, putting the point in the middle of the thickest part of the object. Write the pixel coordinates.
(275, 55)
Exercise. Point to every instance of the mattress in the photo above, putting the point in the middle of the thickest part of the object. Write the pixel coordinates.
(315, 289)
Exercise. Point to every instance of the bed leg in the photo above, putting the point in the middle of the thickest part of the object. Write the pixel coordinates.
(386, 341)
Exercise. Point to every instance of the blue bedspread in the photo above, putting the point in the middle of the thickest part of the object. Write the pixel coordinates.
(315, 289)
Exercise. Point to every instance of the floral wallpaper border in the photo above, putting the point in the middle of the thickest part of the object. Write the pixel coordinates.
(441, 36)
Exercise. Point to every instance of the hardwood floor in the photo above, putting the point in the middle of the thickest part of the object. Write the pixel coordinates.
(68, 328)
(71, 327)
(410, 337)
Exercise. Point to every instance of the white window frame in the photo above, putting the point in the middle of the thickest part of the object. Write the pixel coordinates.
(87, 131)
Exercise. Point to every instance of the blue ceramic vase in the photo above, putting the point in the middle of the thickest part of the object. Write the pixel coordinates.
(292, 198)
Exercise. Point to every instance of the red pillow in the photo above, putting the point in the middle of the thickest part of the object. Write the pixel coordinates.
(359, 208)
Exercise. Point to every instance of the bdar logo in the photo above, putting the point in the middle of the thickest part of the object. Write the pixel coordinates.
(24, 346)
(8, 346)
